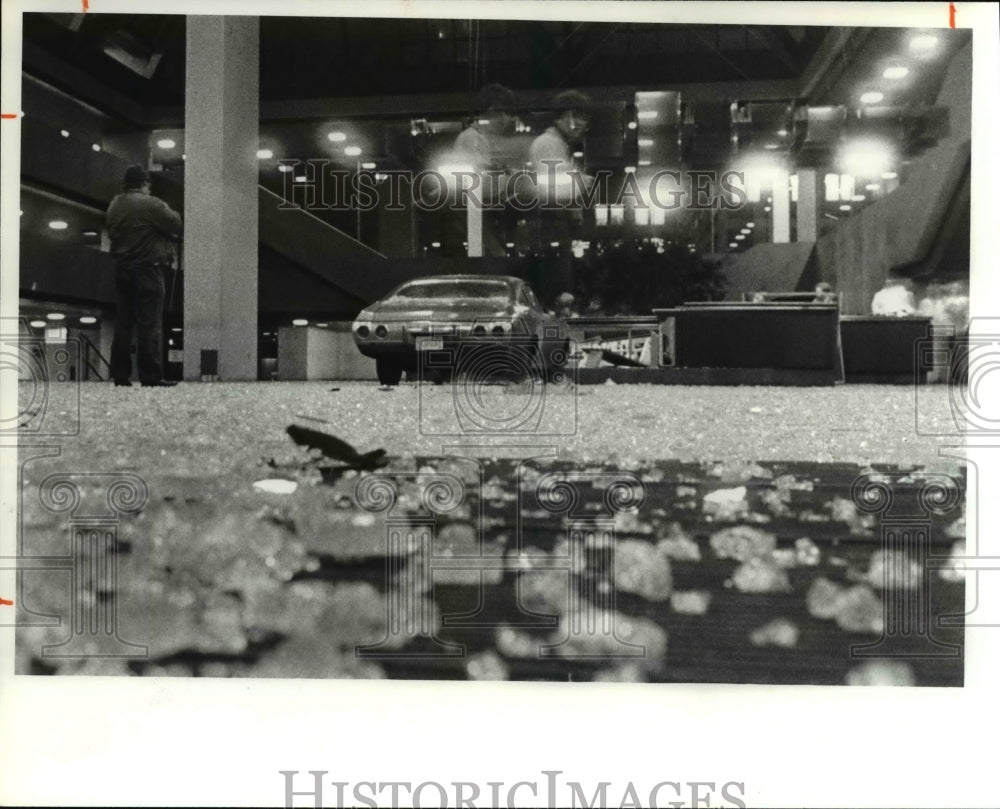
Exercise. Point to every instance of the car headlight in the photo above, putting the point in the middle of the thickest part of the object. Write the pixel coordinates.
(362, 330)
(381, 331)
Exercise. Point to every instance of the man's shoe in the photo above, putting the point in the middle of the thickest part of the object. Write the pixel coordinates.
(122, 383)
(163, 383)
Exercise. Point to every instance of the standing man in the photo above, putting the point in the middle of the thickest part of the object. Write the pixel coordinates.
(142, 230)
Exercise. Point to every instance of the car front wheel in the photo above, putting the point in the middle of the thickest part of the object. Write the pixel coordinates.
(388, 370)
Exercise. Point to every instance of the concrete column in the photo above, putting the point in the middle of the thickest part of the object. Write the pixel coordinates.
(811, 193)
(781, 209)
(220, 197)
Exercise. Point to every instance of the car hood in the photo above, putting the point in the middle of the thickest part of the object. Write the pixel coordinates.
(439, 309)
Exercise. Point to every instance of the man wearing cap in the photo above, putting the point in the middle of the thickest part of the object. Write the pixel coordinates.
(142, 230)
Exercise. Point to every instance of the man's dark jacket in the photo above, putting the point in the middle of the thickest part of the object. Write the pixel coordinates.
(142, 229)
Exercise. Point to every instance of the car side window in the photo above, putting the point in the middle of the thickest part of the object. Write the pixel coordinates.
(528, 297)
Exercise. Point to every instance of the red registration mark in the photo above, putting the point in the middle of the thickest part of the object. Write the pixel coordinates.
(6, 603)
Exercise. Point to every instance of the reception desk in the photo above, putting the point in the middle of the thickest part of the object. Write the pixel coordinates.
(884, 350)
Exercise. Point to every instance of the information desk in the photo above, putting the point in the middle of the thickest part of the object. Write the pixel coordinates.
(884, 349)
(797, 342)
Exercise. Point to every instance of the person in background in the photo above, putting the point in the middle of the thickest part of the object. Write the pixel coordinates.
(142, 230)
(824, 293)
(484, 146)
(895, 298)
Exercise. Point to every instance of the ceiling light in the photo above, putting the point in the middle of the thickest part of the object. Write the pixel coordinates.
(745, 231)
(337, 137)
(922, 43)
(858, 198)
(166, 143)
(64, 133)
(435, 244)
(872, 187)
(771, 146)
(300, 178)
(283, 168)
(632, 124)
(647, 115)
(87, 320)
(630, 169)
(577, 154)
(751, 224)
(739, 237)
(90, 233)
(733, 244)
(38, 324)
(96, 147)
(176, 329)
(767, 209)
(845, 207)
(264, 154)
(352, 151)
(184, 157)
(645, 141)
(645, 162)
(322, 325)
(895, 72)
(300, 322)
(509, 244)
(872, 97)
(782, 133)
(58, 224)
(367, 165)
(55, 316)
(888, 175)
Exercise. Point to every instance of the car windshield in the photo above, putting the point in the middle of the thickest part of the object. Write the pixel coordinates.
(455, 289)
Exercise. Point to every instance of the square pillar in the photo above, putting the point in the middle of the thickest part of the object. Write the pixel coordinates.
(221, 116)
(807, 212)
(781, 209)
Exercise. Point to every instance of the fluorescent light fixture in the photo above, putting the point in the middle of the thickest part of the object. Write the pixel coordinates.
(895, 72)
(38, 324)
(58, 224)
(87, 320)
(55, 316)
(176, 329)
(922, 43)
(166, 143)
(645, 162)
(322, 325)
(64, 133)
(871, 97)
(352, 151)
(337, 137)
(300, 322)
(645, 141)
(616, 214)
(367, 165)
(89, 233)
(264, 154)
(483, 122)
(771, 146)
(647, 115)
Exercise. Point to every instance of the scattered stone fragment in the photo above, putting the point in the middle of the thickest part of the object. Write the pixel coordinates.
(742, 542)
(891, 570)
(609, 633)
(882, 672)
(642, 569)
(624, 673)
(843, 510)
(780, 632)
(276, 486)
(760, 575)
(690, 602)
(726, 504)
(545, 591)
(784, 557)
(859, 609)
(823, 598)
(513, 642)
(677, 545)
(487, 666)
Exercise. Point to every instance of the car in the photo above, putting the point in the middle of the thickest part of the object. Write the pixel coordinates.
(446, 324)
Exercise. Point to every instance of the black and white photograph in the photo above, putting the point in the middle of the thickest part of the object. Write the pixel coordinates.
(516, 365)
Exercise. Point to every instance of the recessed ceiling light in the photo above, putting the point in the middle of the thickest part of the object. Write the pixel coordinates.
(58, 224)
(872, 97)
(176, 329)
(352, 151)
(38, 324)
(510, 244)
(872, 187)
(87, 320)
(283, 168)
(767, 209)
(645, 162)
(64, 133)
(300, 322)
(923, 43)
(858, 198)
(337, 137)
(300, 178)
(322, 325)
(630, 169)
(265, 154)
(166, 143)
(96, 147)
(55, 316)
(367, 165)
(895, 72)
(751, 224)
(435, 244)
(184, 157)
(745, 231)
(647, 115)
(845, 207)
(888, 175)
(733, 244)
(90, 233)
(632, 124)
(739, 237)
(645, 141)
(782, 133)
(577, 154)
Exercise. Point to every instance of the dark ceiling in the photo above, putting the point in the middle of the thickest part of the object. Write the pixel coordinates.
(304, 57)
